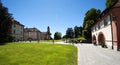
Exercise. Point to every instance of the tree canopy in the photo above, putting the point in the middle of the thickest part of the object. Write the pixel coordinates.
(5, 18)
(91, 14)
(77, 31)
(89, 20)
(57, 35)
(70, 33)
(109, 3)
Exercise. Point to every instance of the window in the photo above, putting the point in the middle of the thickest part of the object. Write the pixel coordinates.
(107, 21)
(14, 31)
(93, 29)
(99, 26)
(21, 27)
(102, 24)
(96, 27)
(21, 32)
(14, 25)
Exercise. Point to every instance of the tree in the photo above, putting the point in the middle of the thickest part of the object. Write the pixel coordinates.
(89, 24)
(109, 3)
(87, 31)
(91, 14)
(5, 25)
(64, 37)
(89, 19)
(57, 35)
(78, 31)
(70, 33)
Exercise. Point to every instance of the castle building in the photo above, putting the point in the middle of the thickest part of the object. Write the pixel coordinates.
(31, 34)
(9, 24)
(17, 30)
(46, 35)
(105, 31)
(34, 34)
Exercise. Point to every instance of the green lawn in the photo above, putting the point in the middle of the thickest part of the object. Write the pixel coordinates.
(45, 41)
(37, 54)
(50, 40)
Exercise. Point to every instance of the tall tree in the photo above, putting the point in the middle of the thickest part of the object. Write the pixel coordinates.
(5, 24)
(78, 31)
(109, 3)
(89, 20)
(87, 30)
(57, 35)
(91, 14)
(70, 33)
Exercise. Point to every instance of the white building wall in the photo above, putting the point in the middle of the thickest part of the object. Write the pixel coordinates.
(107, 34)
(105, 29)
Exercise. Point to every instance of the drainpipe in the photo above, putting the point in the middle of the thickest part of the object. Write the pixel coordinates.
(111, 30)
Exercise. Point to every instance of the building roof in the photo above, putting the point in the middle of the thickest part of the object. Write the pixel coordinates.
(31, 29)
(16, 22)
(115, 4)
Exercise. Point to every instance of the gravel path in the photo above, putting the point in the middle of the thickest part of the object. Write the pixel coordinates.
(94, 55)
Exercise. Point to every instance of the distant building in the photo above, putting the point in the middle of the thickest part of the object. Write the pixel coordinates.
(105, 31)
(35, 34)
(31, 34)
(17, 30)
(46, 35)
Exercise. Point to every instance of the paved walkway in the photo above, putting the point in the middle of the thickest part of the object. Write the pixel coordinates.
(92, 55)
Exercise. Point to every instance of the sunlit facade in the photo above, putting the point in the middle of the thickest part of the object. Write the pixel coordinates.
(17, 30)
(106, 30)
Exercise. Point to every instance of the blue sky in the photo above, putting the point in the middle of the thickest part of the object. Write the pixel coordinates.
(58, 14)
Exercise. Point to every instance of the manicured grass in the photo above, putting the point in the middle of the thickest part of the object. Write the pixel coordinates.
(43, 41)
(50, 40)
(37, 54)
